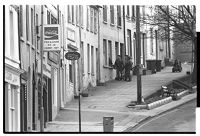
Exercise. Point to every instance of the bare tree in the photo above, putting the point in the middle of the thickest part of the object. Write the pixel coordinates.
(180, 21)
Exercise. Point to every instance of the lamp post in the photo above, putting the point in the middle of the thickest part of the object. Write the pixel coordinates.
(138, 55)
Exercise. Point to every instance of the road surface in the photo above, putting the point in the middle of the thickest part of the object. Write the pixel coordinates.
(181, 119)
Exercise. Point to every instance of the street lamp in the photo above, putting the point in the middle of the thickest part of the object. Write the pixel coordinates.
(138, 55)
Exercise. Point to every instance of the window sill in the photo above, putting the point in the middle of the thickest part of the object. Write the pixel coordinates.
(28, 43)
(33, 47)
(105, 22)
(128, 17)
(22, 39)
(111, 24)
(109, 67)
(119, 27)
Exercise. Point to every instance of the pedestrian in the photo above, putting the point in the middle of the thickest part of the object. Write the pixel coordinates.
(119, 67)
(128, 67)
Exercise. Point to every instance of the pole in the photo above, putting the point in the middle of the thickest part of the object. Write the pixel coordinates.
(41, 102)
(138, 53)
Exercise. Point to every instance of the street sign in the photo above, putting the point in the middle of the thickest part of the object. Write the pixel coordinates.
(72, 55)
(51, 37)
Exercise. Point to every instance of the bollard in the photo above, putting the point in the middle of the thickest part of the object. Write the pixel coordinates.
(108, 124)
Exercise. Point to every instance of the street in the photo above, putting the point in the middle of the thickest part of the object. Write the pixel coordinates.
(181, 119)
(111, 101)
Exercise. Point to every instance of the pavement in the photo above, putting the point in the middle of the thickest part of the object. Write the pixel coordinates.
(111, 100)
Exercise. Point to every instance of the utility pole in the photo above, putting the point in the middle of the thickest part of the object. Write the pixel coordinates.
(138, 56)
(41, 102)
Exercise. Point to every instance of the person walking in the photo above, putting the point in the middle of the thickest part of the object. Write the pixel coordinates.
(128, 67)
(118, 65)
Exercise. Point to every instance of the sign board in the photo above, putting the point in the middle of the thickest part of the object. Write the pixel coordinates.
(72, 55)
(11, 78)
(51, 37)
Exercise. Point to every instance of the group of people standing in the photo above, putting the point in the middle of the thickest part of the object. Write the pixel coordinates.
(120, 67)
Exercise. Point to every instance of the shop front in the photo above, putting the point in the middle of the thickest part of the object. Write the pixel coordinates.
(12, 98)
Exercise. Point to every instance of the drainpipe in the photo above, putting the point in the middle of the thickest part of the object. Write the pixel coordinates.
(41, 102)
(124, 46)
(99, 69)
(19, 47)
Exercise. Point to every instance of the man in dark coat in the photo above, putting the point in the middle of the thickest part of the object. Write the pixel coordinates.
(128, 67)
(119, 67)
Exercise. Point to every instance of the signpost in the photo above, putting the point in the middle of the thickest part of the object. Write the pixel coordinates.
(75, 56)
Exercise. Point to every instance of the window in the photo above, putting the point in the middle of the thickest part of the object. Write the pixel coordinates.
(92, 59)
(69, 14)
(95, 21)
(119, 20)
(37, 24)
(110, 53)
(129, 45)
(27, 22)
(73, 14)
(116, 49)
(81, 14)
(151, 37)
(48, 17)
(77, 15)
(112, 14)
(12, 51)
(21, 20)
(88, 22)
(53, 20)
(91, 19)
(133, 12)
(128, 13)
(104, 13)
(105, 51)
(88, 54)
(70, 73)
(82, 56)
(32, 21)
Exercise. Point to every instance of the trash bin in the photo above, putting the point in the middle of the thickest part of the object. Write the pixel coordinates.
(108, 124)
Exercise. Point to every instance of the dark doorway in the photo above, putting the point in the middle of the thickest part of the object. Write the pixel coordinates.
(49, 99)
(23, 107)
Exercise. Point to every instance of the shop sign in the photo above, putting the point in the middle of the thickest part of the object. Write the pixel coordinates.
(51, 37)
(11, 78)
(72, 55)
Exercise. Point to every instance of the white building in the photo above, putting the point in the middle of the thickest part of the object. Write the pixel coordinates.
(12, 71)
